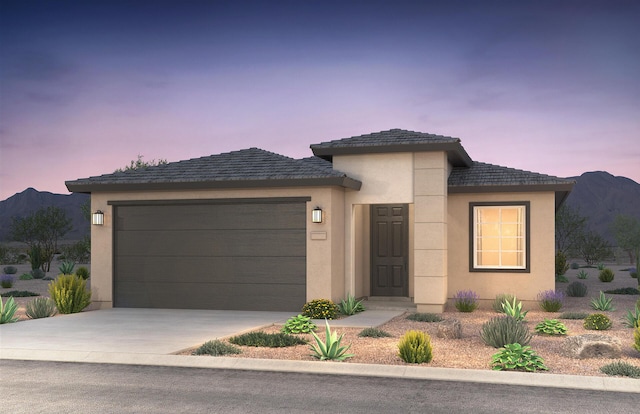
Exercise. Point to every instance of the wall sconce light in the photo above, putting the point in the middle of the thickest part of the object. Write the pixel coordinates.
(316, 215)
(97, 218)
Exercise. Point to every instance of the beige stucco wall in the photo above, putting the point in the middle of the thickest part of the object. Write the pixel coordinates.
(487, 285)
(325, 241)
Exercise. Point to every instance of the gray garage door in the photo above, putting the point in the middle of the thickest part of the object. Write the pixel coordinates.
(236, 254)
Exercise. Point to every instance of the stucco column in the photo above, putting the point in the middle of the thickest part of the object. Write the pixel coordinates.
(430, 231)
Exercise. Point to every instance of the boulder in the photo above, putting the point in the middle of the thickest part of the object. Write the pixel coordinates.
(592, 346)
(449, 329)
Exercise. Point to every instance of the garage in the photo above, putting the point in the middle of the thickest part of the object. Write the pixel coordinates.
(235, 254)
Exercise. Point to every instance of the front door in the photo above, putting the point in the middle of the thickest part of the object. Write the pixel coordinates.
(389, 247)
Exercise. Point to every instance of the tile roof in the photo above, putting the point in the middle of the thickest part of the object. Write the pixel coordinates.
(242, 168)
(394, 140)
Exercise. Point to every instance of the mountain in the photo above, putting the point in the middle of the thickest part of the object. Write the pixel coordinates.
(24, 203)
(600, 196)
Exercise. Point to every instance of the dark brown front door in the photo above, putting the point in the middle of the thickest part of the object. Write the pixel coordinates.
(389, 246)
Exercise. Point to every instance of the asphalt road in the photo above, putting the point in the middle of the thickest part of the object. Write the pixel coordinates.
(54, 387)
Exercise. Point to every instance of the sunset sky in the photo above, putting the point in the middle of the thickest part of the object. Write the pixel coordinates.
(86, 86)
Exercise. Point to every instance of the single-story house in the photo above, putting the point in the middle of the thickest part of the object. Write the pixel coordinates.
(389, 214)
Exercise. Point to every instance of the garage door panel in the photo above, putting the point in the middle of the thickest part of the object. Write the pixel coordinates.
(276, 270)
(203, 217)
(211, 296)
(215, 243)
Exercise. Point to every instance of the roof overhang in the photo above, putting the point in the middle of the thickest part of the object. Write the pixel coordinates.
(561, 190)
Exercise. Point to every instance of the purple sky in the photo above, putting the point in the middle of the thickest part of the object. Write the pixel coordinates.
(86, 86)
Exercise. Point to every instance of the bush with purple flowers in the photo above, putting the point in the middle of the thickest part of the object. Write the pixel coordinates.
(466, 300)
(551, 300)
(6, 281)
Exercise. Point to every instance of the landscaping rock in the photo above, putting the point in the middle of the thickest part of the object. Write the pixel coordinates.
(449, 329)
(592, 346)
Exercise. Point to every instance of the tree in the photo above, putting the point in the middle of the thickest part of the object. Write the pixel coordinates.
(41, 230)
(626, 230)
(570, 228)
(139, 163)
(593, 248)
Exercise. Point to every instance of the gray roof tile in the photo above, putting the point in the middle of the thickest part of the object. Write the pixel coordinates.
(482, 174)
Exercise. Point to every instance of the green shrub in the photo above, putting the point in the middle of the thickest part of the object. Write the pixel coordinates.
(515, 357)
(330, 348)
(575, 266)
(41, 308)
(606, 275)
(36, 257)
(267, 340)
(10, 270)
(66, 267)
(38, 273)
(320, 309)
(374, 333)
(82, 272)
(424, 317)
(632, 319)
(503, 330)
(26, 276)
(636, 339)
(19, 293)
(600, 266)
(7, 311)
(561, 279)
(216, 348)
(561, 264)
(576, 290)
(500, 299)
(597, 322)
(466, 300)
(415, 347)
(602, 303)
(573, 315)
(298, 324)
(621, 369)
(551, 327)
(551, 300)
(79, 252)
(6, 281)
(623, 291)
(582, 275)
(514, 310)
(70, 293)
(350, 306)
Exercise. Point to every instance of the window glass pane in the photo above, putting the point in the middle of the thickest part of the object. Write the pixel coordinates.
(492, 230)
(510, 243)
(510, 230)
(499, 236)
(510, 215)
(491, 259)
(511, 259)
(489, 243)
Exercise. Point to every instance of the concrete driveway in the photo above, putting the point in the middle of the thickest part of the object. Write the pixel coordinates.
(144, 331)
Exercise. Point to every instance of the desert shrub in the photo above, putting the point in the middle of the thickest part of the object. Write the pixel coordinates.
(573, 315)
(350, 306)
(424, 317)
(7, 311)
(40, 308)
(66, 267)
(298, 324)
(70, 293)
(36, 257)
(10, 270)
(600, 266)
(82, 272)
(575, 266)
(576, 290)
(633, 272)
(25, 276)
(6, 281)
(11, 255)
(514, 309)
(515, 357)
(602, 303)
(551, 327)
(621, 369)
(551, 300)
(502, 330)
(632, 318)
(268, 340)
(79, 252)
(19, 293)
(415, 347)
(38, 273)
(561, 279)
(561, 264)
(466, 300)
(582, 275)
(330, 348)
(374, 333)
(606, 275)
(500, 299)
(636, 339)
(623, 291)
(320, 309)
(216, 348)
(597, 322)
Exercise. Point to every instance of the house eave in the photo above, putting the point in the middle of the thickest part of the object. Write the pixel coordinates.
(561, 191)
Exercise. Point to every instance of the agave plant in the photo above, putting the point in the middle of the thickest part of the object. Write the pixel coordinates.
(350, 306)
(8, 310)
(602, 303)
(66, 267)
(330, 348)
(514, 310)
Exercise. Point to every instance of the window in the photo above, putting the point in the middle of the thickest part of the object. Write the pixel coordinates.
(499, 236)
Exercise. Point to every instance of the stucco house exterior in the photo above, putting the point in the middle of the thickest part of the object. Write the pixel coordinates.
(403, 214)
